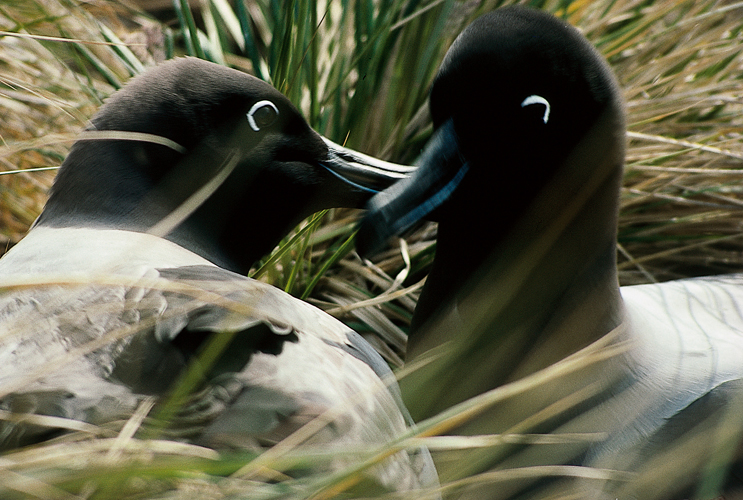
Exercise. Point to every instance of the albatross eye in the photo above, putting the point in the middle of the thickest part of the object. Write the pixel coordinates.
(538, 99)
(262, 114)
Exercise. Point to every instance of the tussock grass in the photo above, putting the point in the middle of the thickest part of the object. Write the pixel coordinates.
(57, 64)
(360, 73)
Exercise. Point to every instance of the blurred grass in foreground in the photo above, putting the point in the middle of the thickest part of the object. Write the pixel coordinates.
(360, 73)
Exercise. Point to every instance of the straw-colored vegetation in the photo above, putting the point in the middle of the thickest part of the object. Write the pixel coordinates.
(360, 72)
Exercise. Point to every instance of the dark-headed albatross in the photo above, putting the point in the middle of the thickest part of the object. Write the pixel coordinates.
(639, 386)
(184, 178)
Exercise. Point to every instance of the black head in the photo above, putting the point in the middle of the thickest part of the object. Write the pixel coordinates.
(516, 94)
(205, 120)
(521, 86)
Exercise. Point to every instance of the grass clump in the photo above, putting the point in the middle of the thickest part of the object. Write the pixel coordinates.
(360, 71)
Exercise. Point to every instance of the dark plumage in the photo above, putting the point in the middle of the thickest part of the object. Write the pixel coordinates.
(281, 170)
(110, 298)
(529, 145)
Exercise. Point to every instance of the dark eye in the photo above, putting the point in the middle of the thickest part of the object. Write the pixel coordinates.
(262, 114)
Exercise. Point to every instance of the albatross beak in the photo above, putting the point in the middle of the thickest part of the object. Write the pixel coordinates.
(361, 171)
(441, 168)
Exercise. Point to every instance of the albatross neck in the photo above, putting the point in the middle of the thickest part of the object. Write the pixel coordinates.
(545, 285)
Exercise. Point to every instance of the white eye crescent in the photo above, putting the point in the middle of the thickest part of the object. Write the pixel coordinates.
(537, 99)
(262, 114)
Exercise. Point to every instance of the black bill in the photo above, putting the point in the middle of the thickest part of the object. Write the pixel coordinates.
(440, 169)
(362, 171)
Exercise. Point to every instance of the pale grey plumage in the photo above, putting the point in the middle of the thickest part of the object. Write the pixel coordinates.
(131, 306)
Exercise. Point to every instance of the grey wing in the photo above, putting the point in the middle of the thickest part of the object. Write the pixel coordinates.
(48, 365)
(94, 352)
(314, 376)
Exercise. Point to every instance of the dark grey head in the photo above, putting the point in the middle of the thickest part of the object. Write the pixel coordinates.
(213, 120)
(519, 97)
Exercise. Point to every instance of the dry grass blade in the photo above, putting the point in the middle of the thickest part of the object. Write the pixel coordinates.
(360, 73)
(48, 89)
